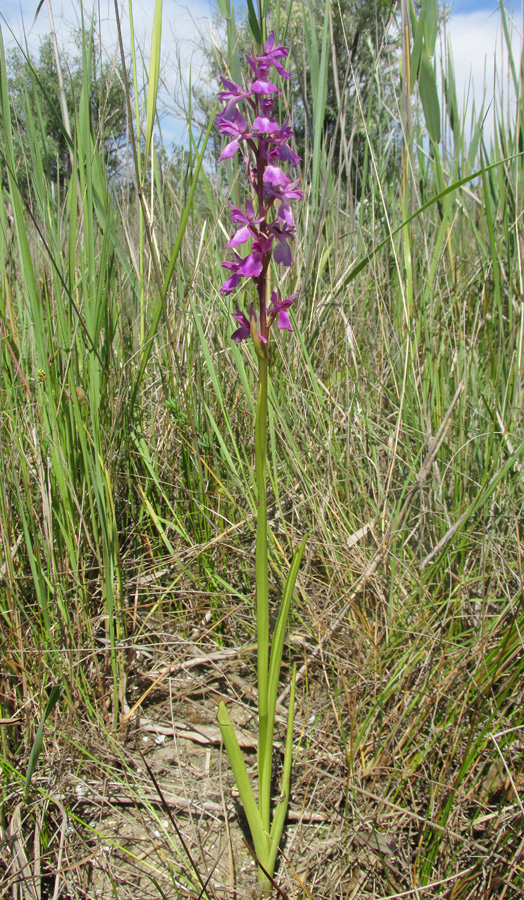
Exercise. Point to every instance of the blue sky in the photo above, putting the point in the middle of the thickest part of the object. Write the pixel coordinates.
(14, 11)
(469, 6)
(473, 32)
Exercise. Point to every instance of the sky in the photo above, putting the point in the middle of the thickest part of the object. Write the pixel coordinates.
(473, 33)
(476, 40)
(460, 7)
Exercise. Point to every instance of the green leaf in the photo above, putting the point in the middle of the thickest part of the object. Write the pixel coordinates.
(277, 644)
(428, 94)
(418, 42)
(431, 29)
(54, 697)
(279, 817)
(236, 760)
(154, 73)
(451, 99)
(254, 23)
(474, 142)
(319, 86)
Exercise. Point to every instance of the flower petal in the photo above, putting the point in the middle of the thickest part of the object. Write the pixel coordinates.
(241, 334)
(251, 267)
(263, 86)
(229, 286)
(282, 254)
(229, 151)
(274, 175)
(240, 237)
(283, 321)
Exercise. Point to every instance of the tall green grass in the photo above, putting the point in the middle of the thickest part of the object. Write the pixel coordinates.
(126, 451)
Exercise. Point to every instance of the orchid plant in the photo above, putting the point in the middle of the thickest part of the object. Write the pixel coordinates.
(266, 225)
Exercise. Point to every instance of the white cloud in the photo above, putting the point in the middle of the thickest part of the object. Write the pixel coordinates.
(481, 63)
(179, 18)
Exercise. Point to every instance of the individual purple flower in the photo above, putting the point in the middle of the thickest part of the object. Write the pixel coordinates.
(244, 332)
(275, 148)
(232, 122)
(280, 309)
(247, 221)
(279, 185)
(248, 217)
(285, 213)
(250, 267)
(234, 279)
(282, 234)
(271, 56)
(232, 94)
(284, 153)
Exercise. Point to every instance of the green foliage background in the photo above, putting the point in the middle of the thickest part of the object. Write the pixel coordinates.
(395, 435)
(34, 97)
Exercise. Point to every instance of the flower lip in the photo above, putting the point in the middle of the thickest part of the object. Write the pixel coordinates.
(283, 233)
(240, 237)
(275, 176)
(228, 151)
(263, 86)
(251, 266)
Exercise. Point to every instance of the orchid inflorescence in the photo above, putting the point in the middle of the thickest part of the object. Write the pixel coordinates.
(271, 226)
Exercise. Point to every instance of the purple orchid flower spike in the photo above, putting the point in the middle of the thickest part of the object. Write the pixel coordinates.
(267, 225)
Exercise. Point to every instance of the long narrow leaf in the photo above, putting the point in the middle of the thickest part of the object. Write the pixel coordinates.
(56, 692)
(277, 645)
(234, 753)
(279, 817)
(154, 73)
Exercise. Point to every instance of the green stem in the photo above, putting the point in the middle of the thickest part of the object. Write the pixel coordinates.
(261, 577)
